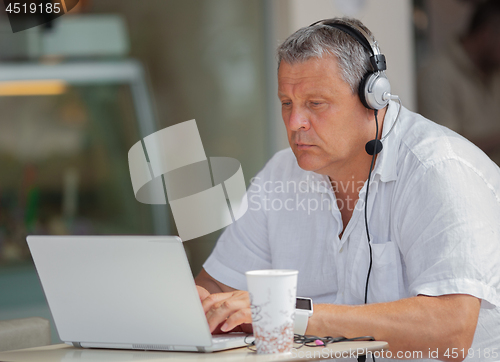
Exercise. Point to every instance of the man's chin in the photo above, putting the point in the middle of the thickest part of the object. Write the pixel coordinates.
(305, 163)
(310, 162)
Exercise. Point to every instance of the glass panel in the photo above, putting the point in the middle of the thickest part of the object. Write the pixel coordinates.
(64, 157)
(206, 61)
(64, 167)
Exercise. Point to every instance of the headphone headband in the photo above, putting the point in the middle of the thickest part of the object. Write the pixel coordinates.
(377, 60)
(374, 88)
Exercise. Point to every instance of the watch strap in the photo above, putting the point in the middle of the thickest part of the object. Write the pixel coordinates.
(300, 323)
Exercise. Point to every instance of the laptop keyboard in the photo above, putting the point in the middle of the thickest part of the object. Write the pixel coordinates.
(221, 338)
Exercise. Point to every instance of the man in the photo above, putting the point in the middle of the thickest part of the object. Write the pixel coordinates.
(432, 213)
(460, 86)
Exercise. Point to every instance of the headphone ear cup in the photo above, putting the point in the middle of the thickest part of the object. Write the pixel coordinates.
(374, 87)
(362, 90)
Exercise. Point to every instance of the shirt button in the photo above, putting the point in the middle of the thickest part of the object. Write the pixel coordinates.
(341, 249)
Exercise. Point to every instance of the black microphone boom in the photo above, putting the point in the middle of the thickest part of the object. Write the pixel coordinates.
(373, 146)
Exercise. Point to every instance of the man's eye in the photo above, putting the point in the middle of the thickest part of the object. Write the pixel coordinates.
(316, 103)
(286, 103)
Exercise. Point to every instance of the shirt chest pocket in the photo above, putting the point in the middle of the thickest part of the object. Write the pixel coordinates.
(386, 276)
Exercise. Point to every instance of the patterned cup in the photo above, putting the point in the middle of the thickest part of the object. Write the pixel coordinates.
(272, 298)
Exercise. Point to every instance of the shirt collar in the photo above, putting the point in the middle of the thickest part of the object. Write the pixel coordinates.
(314, 182)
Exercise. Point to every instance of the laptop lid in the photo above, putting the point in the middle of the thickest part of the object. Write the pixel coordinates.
(115, 290)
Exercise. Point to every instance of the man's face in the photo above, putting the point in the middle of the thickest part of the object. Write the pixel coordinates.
(326, 123)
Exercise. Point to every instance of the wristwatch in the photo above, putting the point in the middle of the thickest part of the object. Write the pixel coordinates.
(303, 311)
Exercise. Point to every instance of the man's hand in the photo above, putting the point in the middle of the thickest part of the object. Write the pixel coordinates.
(227, 312)
(202, 292)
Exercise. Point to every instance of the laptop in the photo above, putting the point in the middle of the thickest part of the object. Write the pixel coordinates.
(124, 292)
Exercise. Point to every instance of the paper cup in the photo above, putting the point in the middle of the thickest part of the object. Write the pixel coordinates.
(272, 299)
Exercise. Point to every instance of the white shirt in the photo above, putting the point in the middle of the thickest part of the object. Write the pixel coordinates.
(433, 215)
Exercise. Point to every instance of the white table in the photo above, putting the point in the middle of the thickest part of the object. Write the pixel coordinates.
(63, 352)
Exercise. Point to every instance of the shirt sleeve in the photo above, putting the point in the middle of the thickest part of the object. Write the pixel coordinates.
(449, 233)
(244, 244)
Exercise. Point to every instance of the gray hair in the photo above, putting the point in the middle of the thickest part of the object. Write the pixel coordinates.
(319, 40)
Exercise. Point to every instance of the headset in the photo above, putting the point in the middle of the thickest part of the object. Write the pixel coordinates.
(374, 88)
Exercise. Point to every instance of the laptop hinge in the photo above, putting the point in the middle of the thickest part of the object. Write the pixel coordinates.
(77, 344)
(200, 349)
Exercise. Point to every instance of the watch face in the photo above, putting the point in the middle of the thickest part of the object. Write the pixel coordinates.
(303, 303)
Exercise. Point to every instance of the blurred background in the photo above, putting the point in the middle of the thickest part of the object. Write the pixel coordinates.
(77, 93)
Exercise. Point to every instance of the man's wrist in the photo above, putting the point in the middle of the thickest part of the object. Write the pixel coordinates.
(325, 321)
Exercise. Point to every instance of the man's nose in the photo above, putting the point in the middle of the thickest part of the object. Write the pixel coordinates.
(298, 119)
